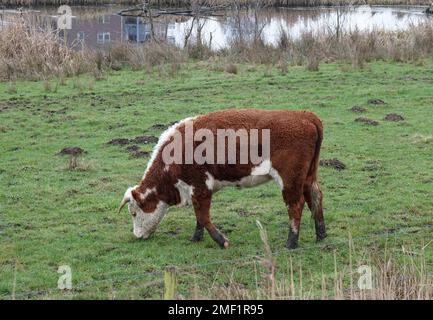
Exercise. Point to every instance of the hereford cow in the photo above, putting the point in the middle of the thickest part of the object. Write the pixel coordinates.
(293, 146)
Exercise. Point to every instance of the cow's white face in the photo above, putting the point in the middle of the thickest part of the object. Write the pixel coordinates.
(146, 211)
(146, 223)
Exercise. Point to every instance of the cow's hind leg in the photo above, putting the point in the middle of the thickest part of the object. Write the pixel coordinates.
(313, 196)
(291, 182)
(202, 212)
(294, 201)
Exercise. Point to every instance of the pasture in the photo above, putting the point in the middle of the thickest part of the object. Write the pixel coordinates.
(56, 211)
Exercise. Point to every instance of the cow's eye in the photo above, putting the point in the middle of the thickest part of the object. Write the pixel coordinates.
(133, 214)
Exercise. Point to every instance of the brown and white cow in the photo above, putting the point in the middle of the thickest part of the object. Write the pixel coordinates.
(295, 140)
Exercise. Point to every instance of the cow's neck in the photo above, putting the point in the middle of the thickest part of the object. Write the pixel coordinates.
(163, 182)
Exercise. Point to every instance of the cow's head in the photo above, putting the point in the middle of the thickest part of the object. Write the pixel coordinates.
(146, 209)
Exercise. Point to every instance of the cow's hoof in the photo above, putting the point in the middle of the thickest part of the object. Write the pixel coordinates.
(197, 236)
(292, 241)
(292, 244)
(321, 237)
(226, 244)
(194, 238)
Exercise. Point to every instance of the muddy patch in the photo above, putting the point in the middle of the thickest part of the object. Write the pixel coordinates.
(159, 126)
(358, 109)
(135, 152)
(73, 151)
(333, 163)
(376, 102)
(132, 148)
(394, 117)
(145, 139)
(119, 142)
(367, 121)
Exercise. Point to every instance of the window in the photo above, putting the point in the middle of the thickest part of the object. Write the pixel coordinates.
(80, 36)
(104, 19)
(103, 37)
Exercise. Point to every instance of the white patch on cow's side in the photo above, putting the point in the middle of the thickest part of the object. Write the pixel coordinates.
(266, 168)
(259, 174)
(245, 182)
(165, 136)
(262, 169)
(253, 180)
(210, 181)
(215, 185)
(186, 191)
(277, 178)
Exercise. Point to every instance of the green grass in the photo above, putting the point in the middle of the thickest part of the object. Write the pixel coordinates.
(52, 216)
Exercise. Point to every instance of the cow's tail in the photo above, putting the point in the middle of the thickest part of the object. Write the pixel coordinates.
(316, 194)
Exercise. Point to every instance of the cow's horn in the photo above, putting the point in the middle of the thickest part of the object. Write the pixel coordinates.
(125, 200)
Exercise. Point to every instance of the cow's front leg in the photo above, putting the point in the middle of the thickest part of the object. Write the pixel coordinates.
(198, 232)
(202, 212)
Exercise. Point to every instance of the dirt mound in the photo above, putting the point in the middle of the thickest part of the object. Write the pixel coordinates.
(132, 148)
(394, 117)
(135, 152)
(139, 154)
(145, 139)
(358, 109)
(376, 101)
(333, 163)
(367, 121)
(73, 151)
(118, 141)
(139, 139)
(159, 126)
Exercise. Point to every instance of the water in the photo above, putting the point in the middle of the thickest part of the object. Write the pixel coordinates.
(96, 27)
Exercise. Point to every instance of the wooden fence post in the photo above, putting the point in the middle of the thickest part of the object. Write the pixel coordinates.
(170, 283)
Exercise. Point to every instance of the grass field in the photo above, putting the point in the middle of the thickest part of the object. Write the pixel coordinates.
(53, 215)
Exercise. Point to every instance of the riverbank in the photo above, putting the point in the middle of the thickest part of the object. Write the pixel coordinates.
(26, 53)
(180, 3)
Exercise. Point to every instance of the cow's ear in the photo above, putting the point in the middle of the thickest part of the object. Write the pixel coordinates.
(136, 195)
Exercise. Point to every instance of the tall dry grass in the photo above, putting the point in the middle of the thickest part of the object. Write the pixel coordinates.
(390, 276)
(354, 46)
(391, 280)
(28, 51)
